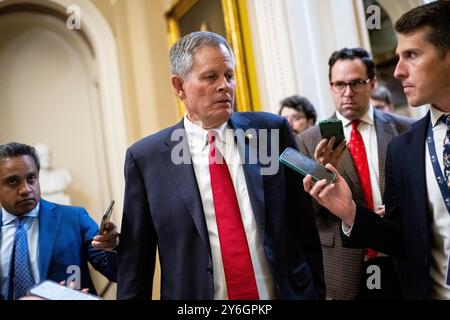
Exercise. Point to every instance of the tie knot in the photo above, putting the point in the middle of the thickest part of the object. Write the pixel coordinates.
(445, 118)
(355, 124)
(20, 222)
(211, 136)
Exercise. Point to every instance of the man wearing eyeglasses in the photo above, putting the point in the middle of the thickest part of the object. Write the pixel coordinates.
(360, 160)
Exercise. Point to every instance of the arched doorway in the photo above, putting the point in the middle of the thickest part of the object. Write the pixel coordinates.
(61, 87)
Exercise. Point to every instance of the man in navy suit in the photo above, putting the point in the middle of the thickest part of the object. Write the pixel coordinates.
(416, 226)
(58, 237)
(169, 201)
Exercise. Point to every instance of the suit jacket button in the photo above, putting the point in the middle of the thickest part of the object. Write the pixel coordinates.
(210, 270)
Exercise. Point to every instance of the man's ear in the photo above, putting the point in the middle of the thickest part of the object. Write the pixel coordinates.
(177, 84)
(373, 83)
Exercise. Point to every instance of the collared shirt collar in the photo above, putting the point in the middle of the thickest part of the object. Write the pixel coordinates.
(199, 136)
(435, 115)
(8, 218)
(368, 117)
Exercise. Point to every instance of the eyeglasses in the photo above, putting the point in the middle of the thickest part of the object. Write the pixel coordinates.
(355, 85)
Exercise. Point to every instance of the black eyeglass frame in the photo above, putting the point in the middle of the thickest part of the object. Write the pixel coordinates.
(353, 85)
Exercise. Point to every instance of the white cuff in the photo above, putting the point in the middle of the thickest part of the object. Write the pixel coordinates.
(347, 230)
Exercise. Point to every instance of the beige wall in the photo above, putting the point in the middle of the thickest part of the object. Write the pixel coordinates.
(139, 28)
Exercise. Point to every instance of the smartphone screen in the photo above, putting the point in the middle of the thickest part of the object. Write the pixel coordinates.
(106, 217)
(330, 128)
(305, 165)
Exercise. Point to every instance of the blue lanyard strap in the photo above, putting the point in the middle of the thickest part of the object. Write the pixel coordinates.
(442, 182)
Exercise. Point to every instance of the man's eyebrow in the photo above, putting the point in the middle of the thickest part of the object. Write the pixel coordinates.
(15, 176)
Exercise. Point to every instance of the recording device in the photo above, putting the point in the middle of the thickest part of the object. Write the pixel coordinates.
(332, 127)
(106, 217)
(51, 290)
(305, 165)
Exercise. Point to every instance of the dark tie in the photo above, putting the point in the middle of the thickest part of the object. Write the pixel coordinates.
(20, 277)
(359, 155)
(237, 263)
(446, 120)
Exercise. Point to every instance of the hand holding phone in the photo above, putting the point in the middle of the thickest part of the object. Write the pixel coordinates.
(330, 128)
(106, 217)
(305, 165)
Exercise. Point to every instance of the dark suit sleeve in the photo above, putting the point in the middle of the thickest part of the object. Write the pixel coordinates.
(103, 261)
(302, 224)
(137, 248)
(370, 230)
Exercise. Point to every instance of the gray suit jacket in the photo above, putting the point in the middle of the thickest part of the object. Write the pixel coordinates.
(343, 266)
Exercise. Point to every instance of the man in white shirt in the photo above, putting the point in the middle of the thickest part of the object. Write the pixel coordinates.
(41, 240)
(174, 201)
(352, 80)
(416, 226)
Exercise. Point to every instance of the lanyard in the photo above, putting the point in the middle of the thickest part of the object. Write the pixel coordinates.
(442, 183)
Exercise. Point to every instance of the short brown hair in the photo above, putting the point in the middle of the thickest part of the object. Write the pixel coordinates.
(435, 15)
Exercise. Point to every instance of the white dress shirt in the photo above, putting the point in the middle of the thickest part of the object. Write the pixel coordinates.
(8, 230)
(369, 136)
(225, 143)
(440, 218)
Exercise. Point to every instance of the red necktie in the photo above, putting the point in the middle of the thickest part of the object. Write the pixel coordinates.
(237, 263)
(358, 152)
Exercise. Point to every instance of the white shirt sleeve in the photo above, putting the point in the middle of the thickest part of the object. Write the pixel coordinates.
(347, 230)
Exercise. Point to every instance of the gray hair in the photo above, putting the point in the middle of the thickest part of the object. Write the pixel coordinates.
(182, 52)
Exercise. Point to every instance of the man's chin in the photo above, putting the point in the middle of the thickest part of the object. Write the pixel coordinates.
(24, 207)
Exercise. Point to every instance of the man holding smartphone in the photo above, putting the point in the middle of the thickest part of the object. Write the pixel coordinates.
(416, 227)
(41, 240)
(361, 163)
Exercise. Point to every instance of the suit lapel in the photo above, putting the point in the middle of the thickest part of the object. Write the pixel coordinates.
(247, 145)
(414, 165)
(186, 183)
(48, 226)
(385, 131)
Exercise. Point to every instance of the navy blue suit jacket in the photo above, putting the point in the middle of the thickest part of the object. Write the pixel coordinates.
(65, 235)
(163, 208)
(405, 230)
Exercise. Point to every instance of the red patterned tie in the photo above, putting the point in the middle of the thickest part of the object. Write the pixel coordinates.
(237, 263)
(358, 152)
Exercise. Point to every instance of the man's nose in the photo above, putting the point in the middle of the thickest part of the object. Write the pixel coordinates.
(400, 71)
(25, 188)
(224, 84)
(348, 90)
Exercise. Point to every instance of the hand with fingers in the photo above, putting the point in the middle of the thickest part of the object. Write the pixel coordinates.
(336, 197)
(72, 285)
(324, 152)
(108, 240)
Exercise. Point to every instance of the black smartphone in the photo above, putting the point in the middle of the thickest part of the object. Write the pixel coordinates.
(106, 217)
(332, 127)
(305, 165)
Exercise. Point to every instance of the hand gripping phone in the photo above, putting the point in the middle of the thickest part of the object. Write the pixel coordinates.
(305, 165)
(106, 217)
(332, 127)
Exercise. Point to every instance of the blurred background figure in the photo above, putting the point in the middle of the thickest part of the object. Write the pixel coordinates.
(381, 99)
(299, 111)
(54, 182)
